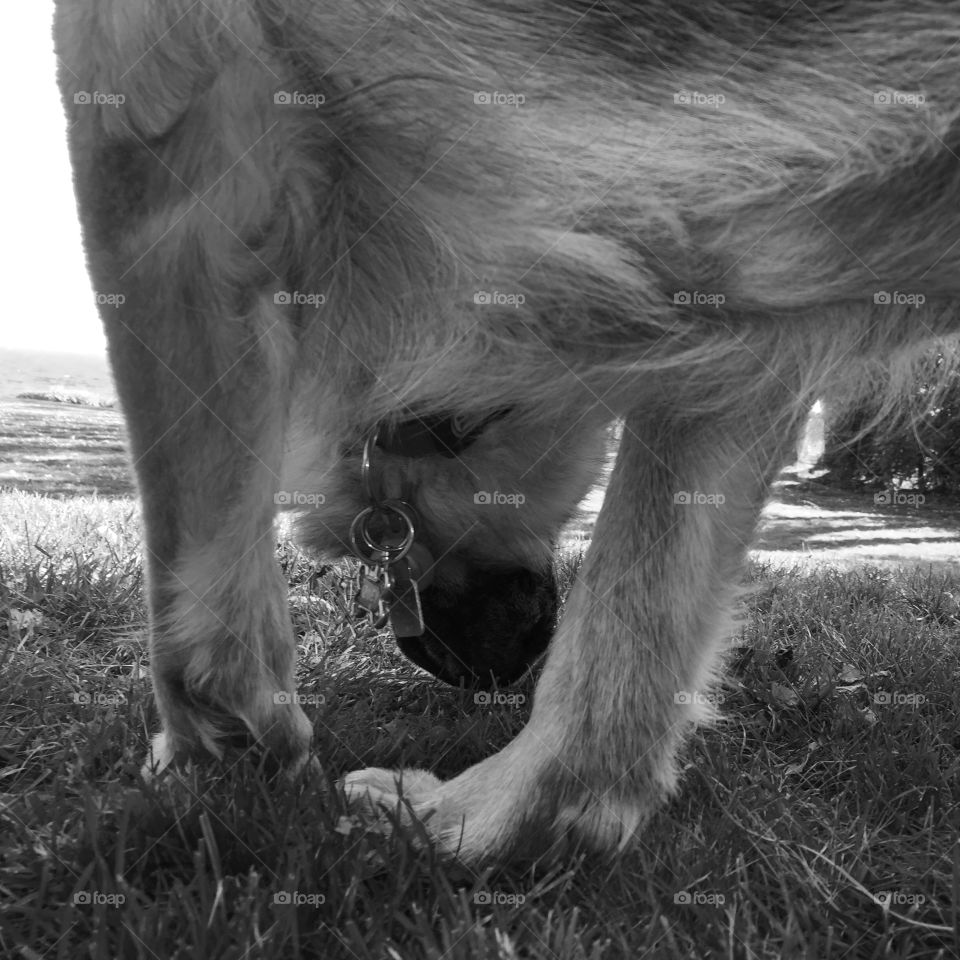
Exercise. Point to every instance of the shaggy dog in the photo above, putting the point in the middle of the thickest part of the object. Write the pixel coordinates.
(395, 266)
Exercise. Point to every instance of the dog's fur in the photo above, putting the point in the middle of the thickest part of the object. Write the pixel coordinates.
(808, 163)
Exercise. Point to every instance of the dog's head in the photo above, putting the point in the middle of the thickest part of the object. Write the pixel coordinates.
(488, 499)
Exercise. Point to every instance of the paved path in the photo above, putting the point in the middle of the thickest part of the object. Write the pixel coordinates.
(810, 524)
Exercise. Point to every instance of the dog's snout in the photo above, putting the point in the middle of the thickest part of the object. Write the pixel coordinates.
(489, 632)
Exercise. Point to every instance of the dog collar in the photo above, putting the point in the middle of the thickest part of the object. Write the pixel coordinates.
(448, 436)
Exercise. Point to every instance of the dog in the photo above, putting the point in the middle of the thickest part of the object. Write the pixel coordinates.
(395, 268)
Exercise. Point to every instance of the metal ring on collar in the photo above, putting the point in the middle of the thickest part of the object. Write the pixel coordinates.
(360, 532)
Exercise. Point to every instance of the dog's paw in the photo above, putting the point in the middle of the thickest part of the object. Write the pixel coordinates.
(287, 748)
(500, 810)
(463, 817)
(376, 791)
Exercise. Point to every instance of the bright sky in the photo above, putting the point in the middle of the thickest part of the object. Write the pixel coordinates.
(49, 300)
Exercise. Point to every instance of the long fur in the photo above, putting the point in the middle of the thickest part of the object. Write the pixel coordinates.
(694, 215)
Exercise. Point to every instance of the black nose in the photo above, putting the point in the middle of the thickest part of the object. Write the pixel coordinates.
(489, 633)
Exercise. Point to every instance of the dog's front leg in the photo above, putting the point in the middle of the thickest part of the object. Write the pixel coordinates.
(629, 667)
(179, 188)
(206, 435)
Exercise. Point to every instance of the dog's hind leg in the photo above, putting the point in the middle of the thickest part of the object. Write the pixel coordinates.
(628, 667)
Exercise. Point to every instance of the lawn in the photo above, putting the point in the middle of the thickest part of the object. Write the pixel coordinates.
(818, 820)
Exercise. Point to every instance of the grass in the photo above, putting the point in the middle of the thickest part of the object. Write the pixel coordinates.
(818, 820)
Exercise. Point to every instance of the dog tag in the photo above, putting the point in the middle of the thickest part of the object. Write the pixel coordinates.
(419, 565)
(403, 600)
(372, 591)
(407, 576)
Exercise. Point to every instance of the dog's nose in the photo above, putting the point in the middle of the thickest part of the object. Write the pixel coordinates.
(488, 633)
